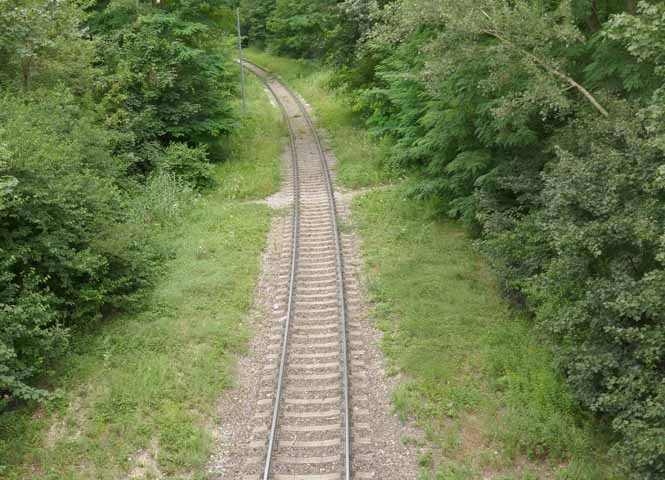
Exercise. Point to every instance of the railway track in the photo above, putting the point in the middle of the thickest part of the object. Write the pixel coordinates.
(302, 429)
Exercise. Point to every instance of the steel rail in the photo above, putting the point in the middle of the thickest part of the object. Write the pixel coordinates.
(339, 275)
(340, 283)
(292, 273)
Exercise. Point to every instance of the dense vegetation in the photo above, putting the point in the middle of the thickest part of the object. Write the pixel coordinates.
(541, 125)
(138, 393)
(110, 116)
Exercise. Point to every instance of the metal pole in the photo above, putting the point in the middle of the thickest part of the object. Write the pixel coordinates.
(242, 69)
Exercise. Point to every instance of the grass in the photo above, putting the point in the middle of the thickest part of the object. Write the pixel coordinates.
(242, 176)
(138, 396)
(478, 380)
(360, 162)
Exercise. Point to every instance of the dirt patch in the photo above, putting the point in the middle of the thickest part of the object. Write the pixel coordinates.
(68, 426)
(145, 465)
(346, 196)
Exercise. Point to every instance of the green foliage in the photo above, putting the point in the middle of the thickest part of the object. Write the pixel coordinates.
(589, 259)
(604, 215)
(43, 44)
(299, 28)
(255, 14)
(68, 252)
(308, 29)
(30, 336)
(108, 120)
(163, 82)
(190, 164)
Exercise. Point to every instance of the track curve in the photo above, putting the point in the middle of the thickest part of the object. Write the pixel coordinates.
(309, 436)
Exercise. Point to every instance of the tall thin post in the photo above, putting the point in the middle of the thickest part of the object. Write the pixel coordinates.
(242, 70)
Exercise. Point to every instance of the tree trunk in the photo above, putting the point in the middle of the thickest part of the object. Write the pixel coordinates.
(593, 21)
(26, 67)
(552, 71)
(630, 7)
(544, 64)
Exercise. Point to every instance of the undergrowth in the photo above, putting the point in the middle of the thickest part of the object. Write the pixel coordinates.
(137, 395)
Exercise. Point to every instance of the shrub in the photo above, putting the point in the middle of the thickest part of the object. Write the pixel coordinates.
(68, 253)
(191, 164)
(31, 335)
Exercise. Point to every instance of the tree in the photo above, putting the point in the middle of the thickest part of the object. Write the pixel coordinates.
(164, 81)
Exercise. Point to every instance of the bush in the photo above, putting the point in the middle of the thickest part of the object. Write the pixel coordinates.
(68, 254)
(191, 164)
(601, 296)
(30, 334)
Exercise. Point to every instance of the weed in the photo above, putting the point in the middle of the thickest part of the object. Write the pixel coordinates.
(425, 460)
(164, 200)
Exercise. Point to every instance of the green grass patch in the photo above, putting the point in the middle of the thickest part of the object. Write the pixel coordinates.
(361, 163)
(261, 136)
(138, 396)
(478, 379)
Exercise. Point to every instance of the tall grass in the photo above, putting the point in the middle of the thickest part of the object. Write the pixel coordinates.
(164, 199)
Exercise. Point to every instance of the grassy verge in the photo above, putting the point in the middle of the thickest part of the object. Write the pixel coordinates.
(253, 169)
(479, 381)
(360, 162)
(138, 396)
